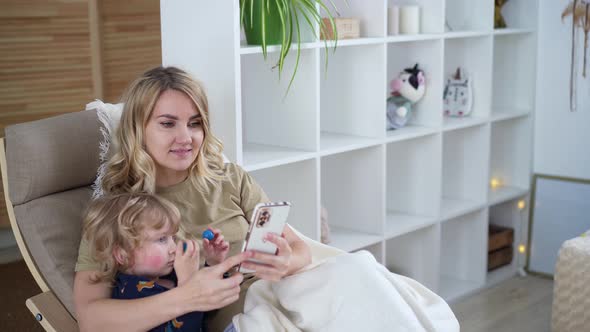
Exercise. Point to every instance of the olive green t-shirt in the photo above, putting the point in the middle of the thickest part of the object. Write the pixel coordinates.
(227, 206)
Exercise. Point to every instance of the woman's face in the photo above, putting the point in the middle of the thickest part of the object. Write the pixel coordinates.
(173, 136)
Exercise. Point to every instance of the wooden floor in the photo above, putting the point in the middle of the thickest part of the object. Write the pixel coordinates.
(516, 305)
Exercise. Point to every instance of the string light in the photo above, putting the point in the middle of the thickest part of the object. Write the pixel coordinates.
(521, 247)
(494, 183)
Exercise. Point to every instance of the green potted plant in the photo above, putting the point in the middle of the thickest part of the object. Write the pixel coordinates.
(276, 22)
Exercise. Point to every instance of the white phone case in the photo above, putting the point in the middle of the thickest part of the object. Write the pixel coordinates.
(267, 218)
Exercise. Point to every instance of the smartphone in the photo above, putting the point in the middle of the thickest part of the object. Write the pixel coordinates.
(267, 218)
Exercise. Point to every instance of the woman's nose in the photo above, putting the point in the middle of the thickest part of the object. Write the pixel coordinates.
(183, 135)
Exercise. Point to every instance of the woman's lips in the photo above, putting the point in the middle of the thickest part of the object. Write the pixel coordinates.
(182, 152)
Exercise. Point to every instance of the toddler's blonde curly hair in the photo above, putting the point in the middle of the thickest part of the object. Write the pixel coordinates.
(117, 221)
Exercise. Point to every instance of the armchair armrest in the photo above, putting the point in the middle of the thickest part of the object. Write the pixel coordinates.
(51, 314)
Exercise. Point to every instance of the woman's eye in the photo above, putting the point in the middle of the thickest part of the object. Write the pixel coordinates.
(163, 239)
(168, 124)
(195, 124)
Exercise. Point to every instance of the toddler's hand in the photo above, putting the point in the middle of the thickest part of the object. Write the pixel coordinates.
(215, 250)
(186, 262)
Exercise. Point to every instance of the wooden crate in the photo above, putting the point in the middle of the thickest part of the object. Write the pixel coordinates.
(500, 258)
(348, 28)
(499, 237)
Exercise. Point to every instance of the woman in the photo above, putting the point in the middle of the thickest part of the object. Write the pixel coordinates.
(164, 146)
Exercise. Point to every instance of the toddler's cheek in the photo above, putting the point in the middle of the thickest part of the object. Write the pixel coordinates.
(155, 261)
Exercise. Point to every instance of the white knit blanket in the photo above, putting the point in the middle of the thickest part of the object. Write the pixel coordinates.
(347, 292)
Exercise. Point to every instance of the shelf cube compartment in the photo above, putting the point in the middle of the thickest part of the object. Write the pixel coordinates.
(466, 15)
(520, 14)
(352, 191)
(431, 19)
(512, 214)
(416, 255)
(278, 125)
(510, 159)
(369, 13)
(474, 57)
(463, 244)
(428, 54)
(295, 183)
(351, 103)
(465, 163)
(514, 74)
(412, 184)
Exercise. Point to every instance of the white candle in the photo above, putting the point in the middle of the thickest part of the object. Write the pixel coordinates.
(409, 20)
(393, 20)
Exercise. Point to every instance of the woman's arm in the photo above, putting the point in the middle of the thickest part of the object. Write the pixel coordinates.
(293, 254)
(206, 290)
(95, 309)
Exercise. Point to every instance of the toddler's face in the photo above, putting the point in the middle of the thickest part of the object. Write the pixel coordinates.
(155, 255)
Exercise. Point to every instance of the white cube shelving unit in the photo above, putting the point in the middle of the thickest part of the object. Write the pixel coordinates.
(418, 198)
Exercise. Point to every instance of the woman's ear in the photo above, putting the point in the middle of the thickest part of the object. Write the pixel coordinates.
(120, 256)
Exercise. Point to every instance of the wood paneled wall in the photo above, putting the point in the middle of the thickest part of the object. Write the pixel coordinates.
(58, 55)
(44, 59)
(131, 42)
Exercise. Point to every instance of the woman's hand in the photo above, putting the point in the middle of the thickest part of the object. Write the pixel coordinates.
(293, 254)
(186, 261)
(215, 250)
(208, 290)
(272, 267)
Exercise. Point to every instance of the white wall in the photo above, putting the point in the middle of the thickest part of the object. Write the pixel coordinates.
(562, 138)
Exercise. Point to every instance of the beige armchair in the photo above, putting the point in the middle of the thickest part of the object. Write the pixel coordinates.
(47, 169)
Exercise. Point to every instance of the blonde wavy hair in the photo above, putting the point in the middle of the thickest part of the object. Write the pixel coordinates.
(131, 168)
(118, 221)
